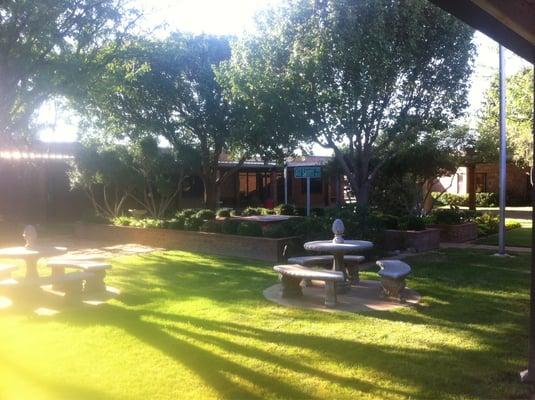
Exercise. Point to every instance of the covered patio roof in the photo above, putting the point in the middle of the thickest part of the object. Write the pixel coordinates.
(511, 23)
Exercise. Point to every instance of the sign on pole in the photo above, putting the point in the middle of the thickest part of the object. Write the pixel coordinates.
(307, 173)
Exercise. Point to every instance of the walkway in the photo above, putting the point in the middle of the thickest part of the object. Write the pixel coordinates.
(469, 245)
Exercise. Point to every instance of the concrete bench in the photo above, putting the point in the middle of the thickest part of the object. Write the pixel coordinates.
(351, 263)
(6, 270)
(72, 285)
(393, 274)
(292, 274)
(95, 269)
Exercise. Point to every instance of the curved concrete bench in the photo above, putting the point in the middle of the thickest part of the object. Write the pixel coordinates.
(96, 269)
(6, 270)
(72, 285)
(292, 274)
(351, 263)
(393, 274)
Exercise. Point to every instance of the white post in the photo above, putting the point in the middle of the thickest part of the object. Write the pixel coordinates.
(285, 184)
(503, 155)
(308, 197)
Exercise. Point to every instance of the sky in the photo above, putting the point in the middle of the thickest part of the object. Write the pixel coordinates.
(236, 17)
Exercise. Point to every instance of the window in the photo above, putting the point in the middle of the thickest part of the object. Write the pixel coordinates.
(315, 186)
(481, 182)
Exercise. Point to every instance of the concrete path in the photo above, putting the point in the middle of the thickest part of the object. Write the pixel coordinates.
(511, 249)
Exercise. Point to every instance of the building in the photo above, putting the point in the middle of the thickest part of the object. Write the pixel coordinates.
(257, 183)
(487, 179)
(35, 185)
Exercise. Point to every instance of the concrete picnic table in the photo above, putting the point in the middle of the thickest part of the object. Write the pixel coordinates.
(31, 256)
(338, 247)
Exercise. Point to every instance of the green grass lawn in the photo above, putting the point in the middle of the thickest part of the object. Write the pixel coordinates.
(192, 326)
(520, 237)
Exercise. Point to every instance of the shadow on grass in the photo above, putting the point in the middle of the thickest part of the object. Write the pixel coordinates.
(483, 297)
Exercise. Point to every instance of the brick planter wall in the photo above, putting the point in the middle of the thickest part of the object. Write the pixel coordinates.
(428, 239)
(457, 233)
(256, 248)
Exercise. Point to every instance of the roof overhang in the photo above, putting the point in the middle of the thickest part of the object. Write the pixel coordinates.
(510, 23)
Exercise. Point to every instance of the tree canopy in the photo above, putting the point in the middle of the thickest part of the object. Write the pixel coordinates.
(169, 88)
(44, 43)
(519, 119)
(366, 75)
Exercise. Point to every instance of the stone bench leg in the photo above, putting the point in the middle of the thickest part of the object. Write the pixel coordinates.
(330, 294)
(291, 287)
(353, 274)
(73, 291)
(96, 282)
(57, 273)
(392, 287)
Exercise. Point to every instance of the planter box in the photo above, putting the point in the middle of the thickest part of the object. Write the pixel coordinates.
(428, 239)
(256, 248)
(457, 233)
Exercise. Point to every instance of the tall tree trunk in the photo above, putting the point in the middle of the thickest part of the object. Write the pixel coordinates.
(210, 192)
(363, 195)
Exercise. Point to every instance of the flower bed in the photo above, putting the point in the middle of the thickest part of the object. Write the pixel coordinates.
(257, 248)
(457, 233)
(424, 240)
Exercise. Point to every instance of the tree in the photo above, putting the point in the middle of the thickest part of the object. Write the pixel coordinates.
(162, 173)
(369, 75)
(403, 184)
(43, 43)
(519, 119)
(106, 176)
(169, 88)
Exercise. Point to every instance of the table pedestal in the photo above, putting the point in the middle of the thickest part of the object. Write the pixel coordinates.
(338, 265)
(31, 270)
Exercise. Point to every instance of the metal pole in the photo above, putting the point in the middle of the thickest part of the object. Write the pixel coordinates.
(528, 375)
(285, 184)
(308, 197)
(503, 155)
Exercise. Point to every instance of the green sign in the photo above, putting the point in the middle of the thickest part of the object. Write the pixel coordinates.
(307, 172)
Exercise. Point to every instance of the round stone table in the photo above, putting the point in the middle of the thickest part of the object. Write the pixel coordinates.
(338, 250)
(31, 256)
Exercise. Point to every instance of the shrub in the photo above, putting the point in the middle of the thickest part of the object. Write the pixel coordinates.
(485, 199)
(387, 221)
(210, 226)
(249, 211)
(512, 225)
(267, 211)
(223, 212)
(278, 230)
(285, 209)
(300, 211)
(188, 212)
(249, 229)
(235, 213)
(193, 223)
(123, 220)
(152, 223)
(312, 228)
(412, 223)
(452, 216)
(230, 226)
(452, 199)
(318, 212)
(487, 224)
(176, 223)
(206, 214)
